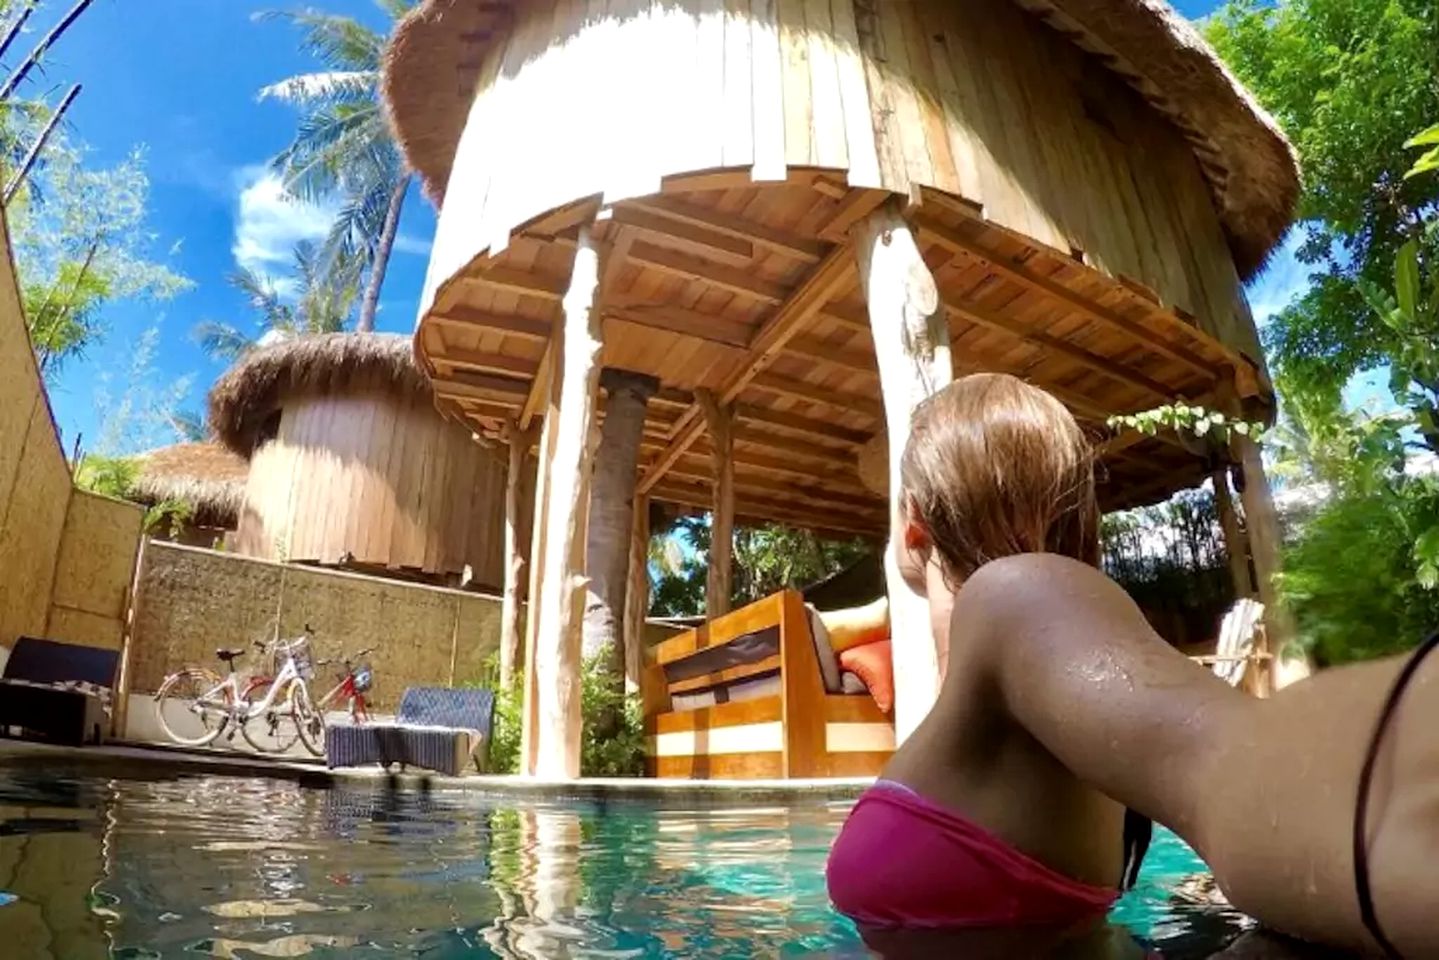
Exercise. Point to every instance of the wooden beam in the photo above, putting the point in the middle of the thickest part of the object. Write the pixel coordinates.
(852, 209)
(556, 665)
(521, 282)
(989, 320)
(637, 598)
(461, 317)
(789, 466)
(702, 239)
(766, 238)
(912, 353)
(762, 510)
(477, 386)
(955, 242)
(719, 579)
(822, 283)
(1262, 526)
(734, 279)
(801, 390)
(685, 323)
(802, 449)
(805, 425)
(516, 548)
(845, 315)
(487, 363)
(744, 485)
(812, 348)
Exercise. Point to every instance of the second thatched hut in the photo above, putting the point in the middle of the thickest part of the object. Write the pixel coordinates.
(350, 464)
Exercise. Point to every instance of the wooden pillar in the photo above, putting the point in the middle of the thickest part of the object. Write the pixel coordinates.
(1264, 545)
(539, 542)
(517, 547)
(557, 605)
(911, 346)
(612, 495)
(1236, 544)
(637, 599)
(719, 585)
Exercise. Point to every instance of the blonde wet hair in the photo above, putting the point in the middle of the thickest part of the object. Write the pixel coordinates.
(995, 467)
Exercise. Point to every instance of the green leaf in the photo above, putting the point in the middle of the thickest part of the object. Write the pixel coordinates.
(1427, 162)
(1241, 428)
(1406, 279)
(1202, 427)
(1425, 138)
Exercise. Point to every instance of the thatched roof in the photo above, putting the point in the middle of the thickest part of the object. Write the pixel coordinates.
(435, 56)
(255, 387)
(206, 476)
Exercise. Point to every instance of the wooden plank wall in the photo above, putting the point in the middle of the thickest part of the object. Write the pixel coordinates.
(977, 99)
(381, 480)
(191, 601)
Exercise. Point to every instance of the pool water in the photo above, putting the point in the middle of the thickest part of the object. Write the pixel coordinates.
(222, 867)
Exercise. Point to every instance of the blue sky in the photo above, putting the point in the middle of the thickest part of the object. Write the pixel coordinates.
(180, 78)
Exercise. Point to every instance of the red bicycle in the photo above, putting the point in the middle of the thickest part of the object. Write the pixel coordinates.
(303, 718)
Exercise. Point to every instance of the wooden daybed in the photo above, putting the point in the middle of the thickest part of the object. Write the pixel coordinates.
(743, 697)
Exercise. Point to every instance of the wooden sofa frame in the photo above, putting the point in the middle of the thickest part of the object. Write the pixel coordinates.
(803, 731)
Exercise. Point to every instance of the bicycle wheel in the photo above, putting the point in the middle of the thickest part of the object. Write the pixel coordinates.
(308, 720)
(274, 730)
(194, 706)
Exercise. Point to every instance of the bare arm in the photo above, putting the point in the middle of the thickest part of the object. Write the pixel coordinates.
(1081, 669)
(1264, 789)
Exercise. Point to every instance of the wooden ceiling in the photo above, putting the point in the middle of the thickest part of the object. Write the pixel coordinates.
(751, 291)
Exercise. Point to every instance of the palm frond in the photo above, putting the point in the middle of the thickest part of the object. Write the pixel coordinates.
(221, 341)
(262, 296)
(337, 41)
(395, 9)
(325, 88)
(315, 164)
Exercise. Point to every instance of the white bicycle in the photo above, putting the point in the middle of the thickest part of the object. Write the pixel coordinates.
(195, 705)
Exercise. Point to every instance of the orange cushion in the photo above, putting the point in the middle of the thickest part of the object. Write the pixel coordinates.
(855, 626)
(871, 662)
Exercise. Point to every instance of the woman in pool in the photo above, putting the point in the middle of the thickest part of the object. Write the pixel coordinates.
(1003, 814)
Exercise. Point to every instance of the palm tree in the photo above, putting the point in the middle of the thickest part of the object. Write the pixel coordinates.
(343, 147)
(325, 295)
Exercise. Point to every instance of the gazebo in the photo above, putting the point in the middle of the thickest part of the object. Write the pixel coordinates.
(350, 465)
(748, 236)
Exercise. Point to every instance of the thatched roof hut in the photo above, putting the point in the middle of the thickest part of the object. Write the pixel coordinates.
(206, 477)
(350, 464)
(798, 219)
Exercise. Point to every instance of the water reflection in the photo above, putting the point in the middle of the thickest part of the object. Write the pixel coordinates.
(254, 868)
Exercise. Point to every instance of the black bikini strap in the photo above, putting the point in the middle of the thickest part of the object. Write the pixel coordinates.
(1361, 807)
(1138, 830)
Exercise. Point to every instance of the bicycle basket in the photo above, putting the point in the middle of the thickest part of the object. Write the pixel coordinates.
(297, 650)
(364, 678)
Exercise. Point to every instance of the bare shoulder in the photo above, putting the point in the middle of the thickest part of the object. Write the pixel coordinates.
(1032, 589)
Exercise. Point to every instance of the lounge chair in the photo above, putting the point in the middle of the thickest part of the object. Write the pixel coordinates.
(758, 693)
(57, 691)
(437, 729)
(1237, 650)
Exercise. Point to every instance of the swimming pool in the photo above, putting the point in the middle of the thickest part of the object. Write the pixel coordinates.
(224, 867)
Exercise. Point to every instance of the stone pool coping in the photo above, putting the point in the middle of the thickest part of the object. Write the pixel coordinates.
(141, 762)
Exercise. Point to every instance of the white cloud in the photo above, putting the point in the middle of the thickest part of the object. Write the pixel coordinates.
(268, 224)
(404, 243)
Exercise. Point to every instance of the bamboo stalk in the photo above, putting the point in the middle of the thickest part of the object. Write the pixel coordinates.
(55, 33)
(14, 185)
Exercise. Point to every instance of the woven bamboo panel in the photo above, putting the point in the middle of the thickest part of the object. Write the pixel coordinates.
(193, 601)
(30, 533)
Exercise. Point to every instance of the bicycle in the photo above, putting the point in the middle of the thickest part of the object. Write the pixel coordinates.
(309, 720)
(219, 702)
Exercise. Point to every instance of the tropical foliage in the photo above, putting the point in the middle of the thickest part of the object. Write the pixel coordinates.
(1350, 81)
(322, 302)
(343, 148)
(767, 559)
(617, 754)
(115, 477)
